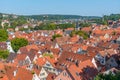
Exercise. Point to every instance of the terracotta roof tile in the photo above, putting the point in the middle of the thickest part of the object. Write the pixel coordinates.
(23, 74)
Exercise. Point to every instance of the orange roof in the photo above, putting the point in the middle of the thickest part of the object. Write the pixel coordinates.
(51, 60)
(86, 29)
(77, 72)
(1, 66)
(74, 39)
(29, 47)
(70, 29)
(74, 70)
(9, 70)
(23, 74)
(4, 78)
(41, 61)
(84, 47)
(21, 57)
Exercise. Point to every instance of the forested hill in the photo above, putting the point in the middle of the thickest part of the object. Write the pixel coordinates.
(60, 17)
(54, 17)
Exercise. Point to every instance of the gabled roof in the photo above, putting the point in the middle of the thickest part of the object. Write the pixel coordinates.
(9, 71)
(84, 71)
(32, 53)
(11, 57)
(2, 70)
(4, 78)
(3, 46)
(40, 61)
(51, 76)
(23, 50)
(69, 58)
(29, 47)
(6, 71)
(51, 60)
(20, 57)
(64, 75)
(37, 69)
(23, 74)
(86, 29)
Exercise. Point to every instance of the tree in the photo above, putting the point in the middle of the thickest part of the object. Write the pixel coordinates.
(17, 43)
(3, 35)
(56, 36)
(80, 33)
(4, 54)
(6, 25)
(52, 26)
(85, 24)
(109, 76)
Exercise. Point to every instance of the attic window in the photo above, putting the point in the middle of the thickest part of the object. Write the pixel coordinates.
(64, 74)
(62, 64)
(76, 61)
(102, 62)
(86, 70)
(48, 64)
(60, 79)
(68, 59)
(42, 74)
(77, 73)
(109, 65)
(111, 60)
(71, 59)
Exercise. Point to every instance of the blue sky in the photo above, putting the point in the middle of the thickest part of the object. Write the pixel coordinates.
(74, 7)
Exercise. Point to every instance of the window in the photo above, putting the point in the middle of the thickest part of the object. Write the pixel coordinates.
(47, 64)
(42, 74)
(109, 65)
(59, 79)
(77, 73)
(111, 60)
(64, 74)
(102, 62)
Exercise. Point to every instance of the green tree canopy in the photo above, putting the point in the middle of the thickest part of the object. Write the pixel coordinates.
(52, 26)
(80, 33)
(109, 76)
(3, 35)
(85, 24)
(56, 36)
(17, 43)
(4, 54)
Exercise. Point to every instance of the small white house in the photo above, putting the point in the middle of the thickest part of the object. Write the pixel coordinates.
(9, 47)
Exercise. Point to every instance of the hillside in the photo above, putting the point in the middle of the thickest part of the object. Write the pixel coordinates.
(60, 17)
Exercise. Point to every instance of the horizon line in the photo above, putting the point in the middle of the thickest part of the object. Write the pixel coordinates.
(54, 14)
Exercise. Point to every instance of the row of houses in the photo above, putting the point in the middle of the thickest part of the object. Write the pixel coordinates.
(65, 58)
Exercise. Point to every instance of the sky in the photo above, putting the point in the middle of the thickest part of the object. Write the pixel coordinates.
(70, 7)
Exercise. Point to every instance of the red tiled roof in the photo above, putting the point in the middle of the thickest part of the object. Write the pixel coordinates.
(41, 61)
(23, 74)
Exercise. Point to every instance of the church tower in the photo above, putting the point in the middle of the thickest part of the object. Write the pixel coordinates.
(77, 26)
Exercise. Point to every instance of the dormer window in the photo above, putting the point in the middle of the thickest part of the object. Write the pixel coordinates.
(102, 62)
(62, 64)
(77, 73)
(111, 60)
(64, 74)
(42, 74)
(71, 59)
(48, 64)
(60, 79)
